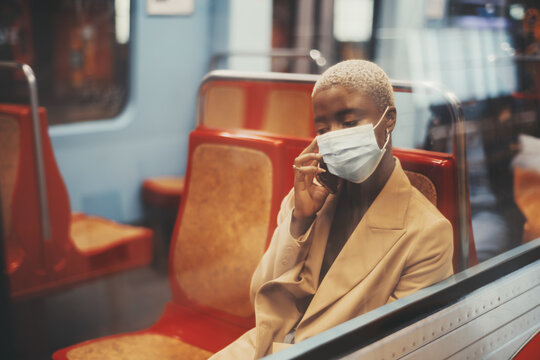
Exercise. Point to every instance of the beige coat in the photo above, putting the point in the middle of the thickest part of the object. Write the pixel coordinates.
(402, 244)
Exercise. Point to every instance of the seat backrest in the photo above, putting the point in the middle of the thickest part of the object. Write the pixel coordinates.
(30, 257)
(441, 170)
(225, 221)
(257, 105)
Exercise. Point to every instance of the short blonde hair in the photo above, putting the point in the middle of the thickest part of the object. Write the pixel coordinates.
(361, 75)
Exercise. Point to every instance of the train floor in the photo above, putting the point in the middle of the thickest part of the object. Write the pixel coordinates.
(127, 301)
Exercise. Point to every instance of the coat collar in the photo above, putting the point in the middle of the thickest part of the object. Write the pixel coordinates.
(379, 229)
(393, 198)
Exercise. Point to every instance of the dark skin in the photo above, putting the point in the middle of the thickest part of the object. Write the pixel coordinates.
(338, 108)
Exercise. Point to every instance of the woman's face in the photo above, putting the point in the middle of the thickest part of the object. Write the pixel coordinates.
(338, 108)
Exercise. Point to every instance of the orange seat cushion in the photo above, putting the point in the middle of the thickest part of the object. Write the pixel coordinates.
(527, 197)
(138, 347)
(92, 234)
(164, 191)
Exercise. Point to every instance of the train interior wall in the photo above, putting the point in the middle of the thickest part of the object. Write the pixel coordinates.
(169, 57)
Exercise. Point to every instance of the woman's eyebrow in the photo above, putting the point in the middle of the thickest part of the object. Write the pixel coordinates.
(350, 111)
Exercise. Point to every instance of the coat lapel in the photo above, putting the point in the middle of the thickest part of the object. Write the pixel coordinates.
(376, 233)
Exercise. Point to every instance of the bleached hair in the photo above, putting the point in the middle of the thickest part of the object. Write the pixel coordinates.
(363, 76)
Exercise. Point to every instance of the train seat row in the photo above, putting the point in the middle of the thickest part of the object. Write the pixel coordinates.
(78, 247)
(279, 105)
(235, 181)
(219, 236)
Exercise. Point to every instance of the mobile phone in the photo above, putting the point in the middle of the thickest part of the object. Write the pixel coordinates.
(329, 181)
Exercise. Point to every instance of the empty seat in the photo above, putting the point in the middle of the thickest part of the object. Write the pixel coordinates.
(79, 247)
(233, 193)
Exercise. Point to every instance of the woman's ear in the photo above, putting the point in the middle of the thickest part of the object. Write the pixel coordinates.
(390, 121)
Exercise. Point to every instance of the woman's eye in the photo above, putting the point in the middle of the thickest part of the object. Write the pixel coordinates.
(321, 131)
(351, 123)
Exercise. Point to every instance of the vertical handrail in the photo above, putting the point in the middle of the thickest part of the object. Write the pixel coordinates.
(38, 148)
(460, 151)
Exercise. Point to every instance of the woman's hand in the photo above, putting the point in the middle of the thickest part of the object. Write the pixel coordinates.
(308, 196)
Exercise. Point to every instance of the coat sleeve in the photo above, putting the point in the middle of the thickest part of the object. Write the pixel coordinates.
(284, 251)
(429, 259)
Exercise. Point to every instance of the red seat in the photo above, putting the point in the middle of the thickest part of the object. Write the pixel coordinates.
(420, 165)
(79, 247)
(441, 169)
(233, 193)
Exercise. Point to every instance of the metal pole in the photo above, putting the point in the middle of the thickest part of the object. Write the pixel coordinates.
(38, 148)
(460, 151)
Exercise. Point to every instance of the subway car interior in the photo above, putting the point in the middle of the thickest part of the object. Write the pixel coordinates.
(146, 147)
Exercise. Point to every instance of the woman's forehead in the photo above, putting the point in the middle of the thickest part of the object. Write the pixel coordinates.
(339, 96)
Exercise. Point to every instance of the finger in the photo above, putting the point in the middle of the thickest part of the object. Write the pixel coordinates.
(309, 170)
(311, 148)
(305, 158)
(303, 176)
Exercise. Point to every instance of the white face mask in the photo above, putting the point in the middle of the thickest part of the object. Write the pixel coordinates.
(352, 153)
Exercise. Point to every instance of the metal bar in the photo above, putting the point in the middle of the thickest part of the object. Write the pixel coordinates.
(460, 151)
(313, 54)
(38, 148)
(375, 325)
(497, 310)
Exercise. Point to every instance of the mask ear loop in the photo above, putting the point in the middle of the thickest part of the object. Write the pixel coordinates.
(387, 140)
(382, 117)
(387, 132)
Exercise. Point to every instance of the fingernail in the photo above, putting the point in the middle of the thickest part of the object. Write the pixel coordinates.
(321, 170)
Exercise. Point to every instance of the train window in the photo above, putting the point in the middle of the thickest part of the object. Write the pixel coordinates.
(79, 50)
